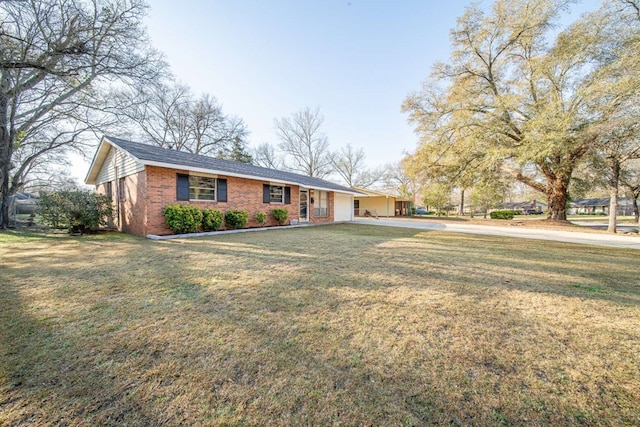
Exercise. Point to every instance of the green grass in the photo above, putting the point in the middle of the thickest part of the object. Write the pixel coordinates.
(332, 325)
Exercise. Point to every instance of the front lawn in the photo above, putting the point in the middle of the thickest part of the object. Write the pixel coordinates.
(331, 325)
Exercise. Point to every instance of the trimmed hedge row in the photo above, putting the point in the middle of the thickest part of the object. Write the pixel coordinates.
(183, 219)
(502, 214)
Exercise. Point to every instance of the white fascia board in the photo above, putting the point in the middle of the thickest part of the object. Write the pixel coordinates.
(235, 175)
(99, 156)
(212, 171)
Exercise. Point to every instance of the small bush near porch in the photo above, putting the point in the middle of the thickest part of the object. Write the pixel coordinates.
(332, 325)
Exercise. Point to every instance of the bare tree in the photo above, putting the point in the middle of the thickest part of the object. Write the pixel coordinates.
(211, 131)
(56, 58)
(159, 113)
(265, 155)
(349, 163)
(167, 114)
(305, 146)
(400, 180)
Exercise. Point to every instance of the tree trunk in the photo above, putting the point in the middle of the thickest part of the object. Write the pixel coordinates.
(461, 207)
(555, 189)
(557, 199)
(5, 151)
(636, 210)
(613, 201)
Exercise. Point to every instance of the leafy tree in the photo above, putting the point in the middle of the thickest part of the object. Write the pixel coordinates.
(513, 101)
(56, 58)
(238, 152)
(630, 180)
(617, 147)
(349, 164)
(305, 146)
(436, 196)
(402, 179)
(74, 209)
(487, 194)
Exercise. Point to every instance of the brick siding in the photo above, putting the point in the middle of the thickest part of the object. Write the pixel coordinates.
(147, 193)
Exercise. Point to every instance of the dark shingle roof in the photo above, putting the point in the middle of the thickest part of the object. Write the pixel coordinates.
(181, 159)
(603, 201)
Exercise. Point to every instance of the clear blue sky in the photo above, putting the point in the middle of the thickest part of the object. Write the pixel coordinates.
(355, 60)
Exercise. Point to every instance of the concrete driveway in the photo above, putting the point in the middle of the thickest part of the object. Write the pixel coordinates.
(612, 240)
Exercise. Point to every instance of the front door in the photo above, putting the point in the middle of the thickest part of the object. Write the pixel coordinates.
(304, 205)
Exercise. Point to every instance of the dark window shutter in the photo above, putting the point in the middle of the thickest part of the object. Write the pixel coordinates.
(222, 190)
(183, 187)
(266, 193)
(287, 195)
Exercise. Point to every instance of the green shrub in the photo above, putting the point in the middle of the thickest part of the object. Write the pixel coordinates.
(261, 217)
(79, 211)
(183, 218)
(280, 215)
(503, 214)
(212, 219)
(236, 218)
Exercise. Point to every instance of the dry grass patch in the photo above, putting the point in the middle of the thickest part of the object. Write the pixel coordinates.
(334, 325)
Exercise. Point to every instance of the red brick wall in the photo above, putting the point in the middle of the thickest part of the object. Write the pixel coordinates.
(102, 189)
(243, 194)
(133, 205)
(329, 218)
(129, 212)
(147, 194)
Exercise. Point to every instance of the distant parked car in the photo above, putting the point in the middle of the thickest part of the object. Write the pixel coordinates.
(532, 212)
(422, 211)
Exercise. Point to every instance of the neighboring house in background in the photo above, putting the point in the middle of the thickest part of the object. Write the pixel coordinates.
(23, 203)
(528, 207)
(600, 206)
(377, 204)
(143, 179)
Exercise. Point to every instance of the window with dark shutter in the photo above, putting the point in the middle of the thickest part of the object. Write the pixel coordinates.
(266, 193)
(182, 187)
(287, 195)
(276, 194)
(222, 190)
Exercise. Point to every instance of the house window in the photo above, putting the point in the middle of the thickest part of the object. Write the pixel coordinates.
(321, 204)
(276, 194)
(107, 189)
(202, 188)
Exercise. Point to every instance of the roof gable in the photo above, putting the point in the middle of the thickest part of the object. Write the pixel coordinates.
(163, 157)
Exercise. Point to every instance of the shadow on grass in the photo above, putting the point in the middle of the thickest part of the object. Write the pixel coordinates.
(51, 376)
(318, 326)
